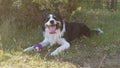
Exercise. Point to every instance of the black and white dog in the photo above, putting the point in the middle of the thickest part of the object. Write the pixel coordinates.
(56, 30)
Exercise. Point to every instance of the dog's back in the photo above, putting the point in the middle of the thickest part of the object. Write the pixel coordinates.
(76, 30)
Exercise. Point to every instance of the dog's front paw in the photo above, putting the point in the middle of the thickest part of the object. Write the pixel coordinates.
(54, 53)
(28, 49)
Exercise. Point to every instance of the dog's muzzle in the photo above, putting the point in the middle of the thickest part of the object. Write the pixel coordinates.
(53, 26)
(52, 29)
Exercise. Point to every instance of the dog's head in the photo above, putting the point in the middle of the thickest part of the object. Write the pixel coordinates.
(53, 23)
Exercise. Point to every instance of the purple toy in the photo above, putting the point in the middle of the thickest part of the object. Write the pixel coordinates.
(37, 47)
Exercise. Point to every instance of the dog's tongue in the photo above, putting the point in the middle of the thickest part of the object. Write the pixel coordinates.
(52, 29)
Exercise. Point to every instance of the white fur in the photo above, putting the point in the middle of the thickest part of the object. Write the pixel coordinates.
(51, 18)
(28, 49)
(51, 39)
(100, 31)
(63, 30)
(64, 45)
(57, 38)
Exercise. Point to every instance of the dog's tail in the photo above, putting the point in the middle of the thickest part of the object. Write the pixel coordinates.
(97, 31)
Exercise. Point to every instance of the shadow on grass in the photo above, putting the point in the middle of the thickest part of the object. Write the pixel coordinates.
(82, 53)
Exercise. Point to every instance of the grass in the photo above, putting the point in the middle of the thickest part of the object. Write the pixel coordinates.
(96, 52)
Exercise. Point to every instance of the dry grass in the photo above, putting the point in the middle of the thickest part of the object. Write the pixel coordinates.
(97, 52)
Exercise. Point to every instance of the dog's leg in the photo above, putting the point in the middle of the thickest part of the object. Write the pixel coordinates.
(64, 45)
(43, 43)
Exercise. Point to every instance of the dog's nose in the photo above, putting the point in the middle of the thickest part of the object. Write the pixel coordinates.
(52, 21)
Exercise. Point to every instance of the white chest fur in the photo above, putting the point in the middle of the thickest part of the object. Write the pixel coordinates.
(53, 38)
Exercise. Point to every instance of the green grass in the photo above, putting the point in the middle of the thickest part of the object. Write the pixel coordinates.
(96, 52)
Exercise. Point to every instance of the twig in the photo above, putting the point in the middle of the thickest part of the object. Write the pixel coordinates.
(101, 62)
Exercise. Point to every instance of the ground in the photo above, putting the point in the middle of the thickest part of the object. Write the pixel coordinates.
(101, 51)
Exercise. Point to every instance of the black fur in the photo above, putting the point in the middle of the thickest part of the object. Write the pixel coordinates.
(76, 30)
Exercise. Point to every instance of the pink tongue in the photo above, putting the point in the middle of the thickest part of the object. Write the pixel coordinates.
(52, 29)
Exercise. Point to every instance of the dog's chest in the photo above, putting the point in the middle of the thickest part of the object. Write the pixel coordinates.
(53, 38)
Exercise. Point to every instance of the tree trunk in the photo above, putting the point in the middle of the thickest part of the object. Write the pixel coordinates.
(113, 5)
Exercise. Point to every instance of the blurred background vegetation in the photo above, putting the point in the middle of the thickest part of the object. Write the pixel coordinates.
(30, 12)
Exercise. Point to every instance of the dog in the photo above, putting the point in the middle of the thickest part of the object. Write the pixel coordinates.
(56, 30)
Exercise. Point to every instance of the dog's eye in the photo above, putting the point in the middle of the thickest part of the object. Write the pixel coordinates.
(55, 17)
(47, 18)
